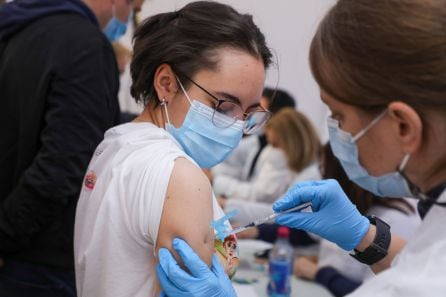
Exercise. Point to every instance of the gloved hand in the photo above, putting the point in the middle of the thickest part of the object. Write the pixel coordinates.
(334, 217)
(202, 282)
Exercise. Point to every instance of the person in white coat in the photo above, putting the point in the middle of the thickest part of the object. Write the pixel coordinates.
(381, 69)
(290, 133)
(255, 171)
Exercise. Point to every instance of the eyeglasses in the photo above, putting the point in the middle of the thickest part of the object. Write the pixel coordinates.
(253, 120)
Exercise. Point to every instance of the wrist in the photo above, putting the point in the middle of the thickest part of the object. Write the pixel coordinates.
(368, 238)
(372, 252)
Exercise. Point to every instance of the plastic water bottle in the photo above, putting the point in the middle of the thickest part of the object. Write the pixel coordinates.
(280, 265)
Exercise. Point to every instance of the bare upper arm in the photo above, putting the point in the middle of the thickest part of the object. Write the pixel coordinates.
(188, 211)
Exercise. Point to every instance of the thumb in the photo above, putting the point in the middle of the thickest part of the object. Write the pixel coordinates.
(299, 193)
(217, 269)
(192, 261)
(297, 220)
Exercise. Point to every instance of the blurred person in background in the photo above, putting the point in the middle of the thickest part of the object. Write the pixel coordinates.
(291, 132)
(58, 85)
(255, 171)
(123, 55)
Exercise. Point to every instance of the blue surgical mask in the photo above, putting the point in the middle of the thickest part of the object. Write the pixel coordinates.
(204, 142)
(344, 147)
(115, 28)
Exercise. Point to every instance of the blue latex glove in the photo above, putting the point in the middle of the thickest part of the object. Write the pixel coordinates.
(334, 217)
(201, 282)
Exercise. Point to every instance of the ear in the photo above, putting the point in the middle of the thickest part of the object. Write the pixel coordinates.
(165, 82)
(410, 126)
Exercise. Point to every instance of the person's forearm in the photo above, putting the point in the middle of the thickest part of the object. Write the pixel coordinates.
(396, 245)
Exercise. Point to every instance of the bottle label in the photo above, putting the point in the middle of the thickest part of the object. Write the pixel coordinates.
(279, 273)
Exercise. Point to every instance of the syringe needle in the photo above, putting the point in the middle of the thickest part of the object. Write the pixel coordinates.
(268, 218)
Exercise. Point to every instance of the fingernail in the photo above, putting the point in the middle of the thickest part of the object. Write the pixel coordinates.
(276, 206)
(176, 242)
(163, 254)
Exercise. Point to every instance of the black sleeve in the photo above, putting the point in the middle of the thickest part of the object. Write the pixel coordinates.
(81, 105)
(338, 284)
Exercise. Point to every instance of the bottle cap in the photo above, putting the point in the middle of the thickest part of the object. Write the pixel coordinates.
(283, 232)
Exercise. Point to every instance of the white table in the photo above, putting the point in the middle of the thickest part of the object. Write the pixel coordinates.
(257, 275)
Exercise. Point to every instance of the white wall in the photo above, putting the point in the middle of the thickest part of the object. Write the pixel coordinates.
(288, 26)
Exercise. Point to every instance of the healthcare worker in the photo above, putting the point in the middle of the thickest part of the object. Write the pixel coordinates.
(381, 69)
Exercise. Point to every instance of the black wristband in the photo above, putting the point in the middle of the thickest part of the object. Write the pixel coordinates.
(378, 249)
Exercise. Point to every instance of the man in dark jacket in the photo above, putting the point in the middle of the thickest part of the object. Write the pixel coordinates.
(58, 95)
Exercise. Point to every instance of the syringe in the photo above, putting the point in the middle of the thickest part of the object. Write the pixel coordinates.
(266, 219)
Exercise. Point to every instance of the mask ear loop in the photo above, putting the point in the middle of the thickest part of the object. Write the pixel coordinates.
(184, 91)
(164, 104)
(113, 10)
(367, 128)
(404, 163)
(416, 192)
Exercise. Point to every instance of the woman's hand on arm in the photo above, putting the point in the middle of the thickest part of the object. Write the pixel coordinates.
(200, 282)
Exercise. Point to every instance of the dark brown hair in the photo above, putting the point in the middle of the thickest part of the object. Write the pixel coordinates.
(187, 40)
(370, 53)
(331, 168)
(278, 99)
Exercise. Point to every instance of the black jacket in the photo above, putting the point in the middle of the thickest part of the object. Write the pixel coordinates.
(58, 95)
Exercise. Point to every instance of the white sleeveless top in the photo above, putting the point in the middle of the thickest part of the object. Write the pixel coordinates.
(119, 211)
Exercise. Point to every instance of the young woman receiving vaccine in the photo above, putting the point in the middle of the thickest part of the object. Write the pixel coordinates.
(381, 69)
(200, 73)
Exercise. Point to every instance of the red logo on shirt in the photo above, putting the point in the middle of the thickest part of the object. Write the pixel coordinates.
(90, 180)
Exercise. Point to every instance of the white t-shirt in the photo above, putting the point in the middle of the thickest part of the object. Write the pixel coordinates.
(119, 211)
(420, 268)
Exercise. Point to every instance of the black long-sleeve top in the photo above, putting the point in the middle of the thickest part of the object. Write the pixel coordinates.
(337, 283)
(58, 95)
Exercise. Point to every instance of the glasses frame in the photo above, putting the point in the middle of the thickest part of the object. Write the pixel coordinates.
(246, 115)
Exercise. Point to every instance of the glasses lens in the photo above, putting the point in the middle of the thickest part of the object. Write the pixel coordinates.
(231, 111)
(255, 121)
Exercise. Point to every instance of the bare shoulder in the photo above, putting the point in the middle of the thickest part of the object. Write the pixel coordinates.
(186, 176)
(187, 211)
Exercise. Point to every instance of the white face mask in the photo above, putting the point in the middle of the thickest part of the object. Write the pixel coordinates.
(344, 147)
